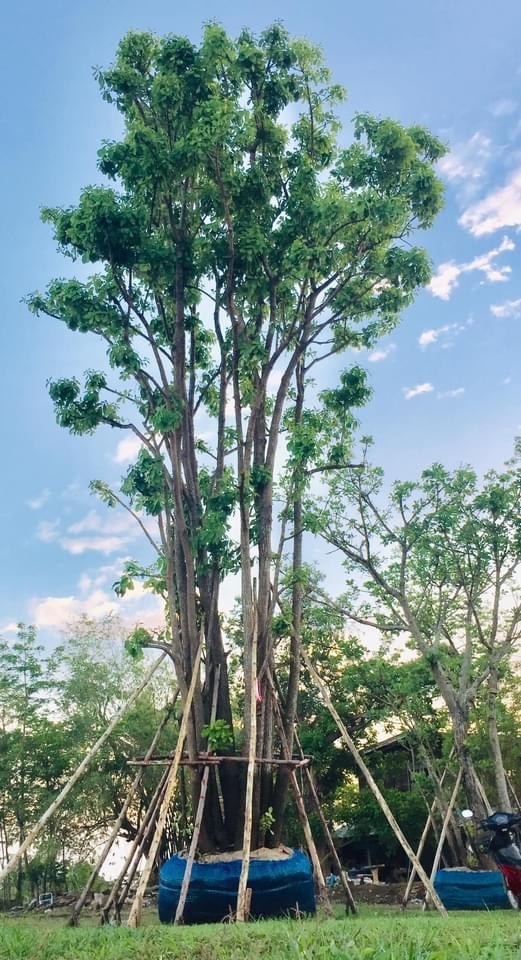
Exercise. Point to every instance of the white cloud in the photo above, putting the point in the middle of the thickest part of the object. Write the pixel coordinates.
(137, 605)
(47, 530)
(451, 394)
(446, 334)
(428, 337)
(93, 522)
(503, 107)
(420, 388)
(39, 501)
(102, 533)
(510, 308)
(9, 628)
(446, 278)
(378, 355)
(78, 545)
(95, 532)
(468, 160)
(127, 449)
(59, 611)
(500, 209)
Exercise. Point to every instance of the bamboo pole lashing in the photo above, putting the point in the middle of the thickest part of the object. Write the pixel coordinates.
(386, 810)
(78, 773)
(135, 911)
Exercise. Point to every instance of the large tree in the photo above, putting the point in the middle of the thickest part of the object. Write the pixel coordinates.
(437, 563)
(239, 246)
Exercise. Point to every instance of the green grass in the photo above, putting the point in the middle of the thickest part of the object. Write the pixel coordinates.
(374, 935)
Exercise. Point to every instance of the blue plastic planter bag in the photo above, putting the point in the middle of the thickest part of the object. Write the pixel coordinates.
(471, 889)
(279, 887)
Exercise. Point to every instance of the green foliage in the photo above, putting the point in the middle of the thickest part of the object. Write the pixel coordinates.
(218, 734)
(266, 821)
(361, 811)
(303, 248)
(51, 709)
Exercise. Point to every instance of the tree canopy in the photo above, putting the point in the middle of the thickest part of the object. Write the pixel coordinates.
(235, 244)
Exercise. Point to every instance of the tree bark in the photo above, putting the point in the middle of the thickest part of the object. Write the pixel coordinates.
(502, 794)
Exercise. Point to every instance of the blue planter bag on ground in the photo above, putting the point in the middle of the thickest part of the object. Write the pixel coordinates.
(279, 888)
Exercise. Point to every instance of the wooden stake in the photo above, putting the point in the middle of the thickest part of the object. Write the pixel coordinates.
(80, 770)
(248, 805)
(299, 803)
(198, 817)
(423, 841)
(80, 903)
(513, 792)
(386, 810)
(135, 911)
(350, 901)
(443, 834)
(142, 851)
(137, 842)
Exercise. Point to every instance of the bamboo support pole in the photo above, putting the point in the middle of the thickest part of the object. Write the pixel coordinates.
(423, 841)
(207, 759)
(443, 834)
(248, 804)
(199, 815)
(135, 911)
(78, 773)
(513, 792)
(142, 851)
(481, 788)
(386, 810)
(137, 842)
(80, 903)
(299, 803)
(350, 900)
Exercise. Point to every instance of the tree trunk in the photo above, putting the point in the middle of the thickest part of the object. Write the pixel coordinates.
(503, 798)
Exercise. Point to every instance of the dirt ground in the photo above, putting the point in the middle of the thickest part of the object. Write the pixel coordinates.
(390, 894)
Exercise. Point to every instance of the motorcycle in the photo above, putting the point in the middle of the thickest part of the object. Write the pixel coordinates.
(504, 845)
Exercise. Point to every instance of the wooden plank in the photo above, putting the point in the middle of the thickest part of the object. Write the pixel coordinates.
(350, 900)
(136, 843)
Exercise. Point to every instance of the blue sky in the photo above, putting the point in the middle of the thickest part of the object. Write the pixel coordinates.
(446, 383)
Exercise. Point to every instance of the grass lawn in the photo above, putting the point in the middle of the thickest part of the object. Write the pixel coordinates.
(377, 934)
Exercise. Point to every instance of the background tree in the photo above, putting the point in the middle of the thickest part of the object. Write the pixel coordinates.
(234, 252)
(51, 707)
(441, 560)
